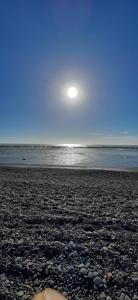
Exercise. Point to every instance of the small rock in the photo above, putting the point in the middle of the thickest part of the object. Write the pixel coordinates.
(122, 296)
(80, 266)
(135, 297)
(87, 265)
(83, 271)
(20, 241)
(102, 296)
(51, 282)
(59, 268)
(108, 298)
(127, 297)
(95, 274)
(90, 275)
(20, 293)
(135, 280)
(97, 281)
(105, 248)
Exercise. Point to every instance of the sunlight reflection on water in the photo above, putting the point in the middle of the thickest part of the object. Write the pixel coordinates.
(70, 156)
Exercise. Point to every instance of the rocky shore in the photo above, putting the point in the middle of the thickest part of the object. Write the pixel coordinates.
(72, 230)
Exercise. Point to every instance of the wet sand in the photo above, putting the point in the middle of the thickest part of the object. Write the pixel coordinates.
(74, 230)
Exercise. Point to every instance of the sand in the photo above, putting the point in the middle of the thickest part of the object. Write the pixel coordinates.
(72, 230)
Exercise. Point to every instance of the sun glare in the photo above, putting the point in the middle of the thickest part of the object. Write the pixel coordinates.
(72, 92)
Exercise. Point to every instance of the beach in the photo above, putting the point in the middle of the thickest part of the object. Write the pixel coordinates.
(72, 230)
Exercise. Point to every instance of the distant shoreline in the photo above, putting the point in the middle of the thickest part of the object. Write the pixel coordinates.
(48, 167)
(69, 146)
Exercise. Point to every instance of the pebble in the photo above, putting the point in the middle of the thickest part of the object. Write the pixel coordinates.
(20, 293)
(83, 270)
(95, 274)
(124, 297)
(135, 297)
(135, 280)
(90, 275)
(102, 296)
(105, 248)
(80, 266)
(127, 297)
(97, 281)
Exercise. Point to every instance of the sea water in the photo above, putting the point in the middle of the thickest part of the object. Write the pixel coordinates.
(70, 156)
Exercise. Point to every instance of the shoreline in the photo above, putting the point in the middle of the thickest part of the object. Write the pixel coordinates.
(81, 168)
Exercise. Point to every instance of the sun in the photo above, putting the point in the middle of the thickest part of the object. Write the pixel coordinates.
(72, 92)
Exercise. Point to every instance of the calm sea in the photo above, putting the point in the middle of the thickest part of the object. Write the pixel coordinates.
(65, 156)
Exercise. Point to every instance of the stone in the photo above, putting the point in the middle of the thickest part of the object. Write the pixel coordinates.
(83, 271)
(90, 275)
(102, 296)
(97, 281)
(95, 274)
(105, 248)
(122, 296)
(135, 280)
(135, 297)
(20, 293)
(127, 297)
(81, 266)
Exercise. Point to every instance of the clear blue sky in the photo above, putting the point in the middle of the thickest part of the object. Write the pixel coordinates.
(46, 45)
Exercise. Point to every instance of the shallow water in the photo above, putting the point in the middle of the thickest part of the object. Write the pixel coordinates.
(79, 157)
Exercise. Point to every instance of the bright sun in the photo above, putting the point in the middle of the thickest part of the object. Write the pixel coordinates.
(72, 92)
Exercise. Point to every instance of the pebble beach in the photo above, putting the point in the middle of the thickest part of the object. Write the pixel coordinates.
(72, 230)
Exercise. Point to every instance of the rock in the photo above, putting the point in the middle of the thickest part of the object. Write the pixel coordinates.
(102, 296)
(135, 297)
(51, 283)
(95, 274)
(105, 248)
(97, 281)
(59, 268)
(25, 297)
(87, 265)
(83, 270)
(80, 266)
(122, 296)
(20, 293)
(127, 297)
(90, 275)
(135, 280)
(108, 298)
(20, 241)
(72, 244)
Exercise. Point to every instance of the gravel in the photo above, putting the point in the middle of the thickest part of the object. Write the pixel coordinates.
(72, 230)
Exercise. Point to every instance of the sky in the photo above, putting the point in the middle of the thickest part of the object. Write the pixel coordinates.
(49, 45)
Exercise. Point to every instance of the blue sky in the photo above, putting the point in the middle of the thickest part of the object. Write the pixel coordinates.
(47, 45)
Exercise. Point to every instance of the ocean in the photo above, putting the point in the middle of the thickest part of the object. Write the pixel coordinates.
(91, 157)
